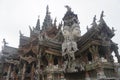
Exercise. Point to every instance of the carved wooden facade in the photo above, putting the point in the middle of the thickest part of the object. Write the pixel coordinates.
(53, 53)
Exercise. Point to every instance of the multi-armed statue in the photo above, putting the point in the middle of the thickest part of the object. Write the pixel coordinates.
(71, 32)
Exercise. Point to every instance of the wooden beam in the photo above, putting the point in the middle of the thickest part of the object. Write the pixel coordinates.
(53, 52)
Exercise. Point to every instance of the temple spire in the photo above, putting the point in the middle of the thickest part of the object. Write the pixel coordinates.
(38, 24)
(47, 21)
(47, 10)
(94, 19)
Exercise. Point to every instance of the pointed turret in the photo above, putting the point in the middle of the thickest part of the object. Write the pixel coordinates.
(38, 24)
(47, 21)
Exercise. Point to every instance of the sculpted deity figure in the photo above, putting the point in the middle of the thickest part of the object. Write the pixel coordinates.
(71, 32)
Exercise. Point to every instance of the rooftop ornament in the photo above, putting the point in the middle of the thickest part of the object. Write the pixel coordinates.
(4, 42)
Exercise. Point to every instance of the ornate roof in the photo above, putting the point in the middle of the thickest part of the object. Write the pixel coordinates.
(24, 40)
(9, 52)
(96, 32)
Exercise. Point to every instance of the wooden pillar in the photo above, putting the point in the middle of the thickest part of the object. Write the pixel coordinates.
(8, 73)
(23, 72)
(87, 77)
(38, 65)
(109, 56)
(50, 60)
(100, 74)
(32, 72)
(117, 55)
(15, 76)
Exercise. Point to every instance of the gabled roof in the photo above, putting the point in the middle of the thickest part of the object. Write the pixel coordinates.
(87, 39)
(87, 36)
(9, 52)
(24, 40)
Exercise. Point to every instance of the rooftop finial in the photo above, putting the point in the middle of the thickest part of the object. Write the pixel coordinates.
(87, 27)
(102, 15)
(94, 18)
(38, 16)
(4, 42)
(38, 23)
(94, 21)
(20, 33)
(47, 10)
(55, 22)
(68, 8)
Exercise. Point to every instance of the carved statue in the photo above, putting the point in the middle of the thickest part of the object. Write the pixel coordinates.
(102, 15)
(20, 33)
(71, 31)
(4, 42)
(65, 65)
(68, 8)
(36, 74)
(113, 30)
(94, 19)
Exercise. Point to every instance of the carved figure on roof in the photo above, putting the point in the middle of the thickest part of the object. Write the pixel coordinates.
(60, 25)
(87, 28)
(4, 42)
(70, 18)
(113, 30)
(20, 33)
(94, 18)
(94, 21)
(68, 8)
(102, 15)
(55, 22)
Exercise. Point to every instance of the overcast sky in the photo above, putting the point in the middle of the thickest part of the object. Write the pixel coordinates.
(17, 15)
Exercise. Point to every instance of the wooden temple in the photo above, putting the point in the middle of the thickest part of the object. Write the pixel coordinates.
(60, 52)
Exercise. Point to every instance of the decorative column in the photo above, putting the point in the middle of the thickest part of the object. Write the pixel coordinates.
(38, 67)
(100, 74)
(32, 72)
(94, 52)
(109, 55)
(9, 69)
(23, 72)
(50, 70)
(87, 77)
(100, 71)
